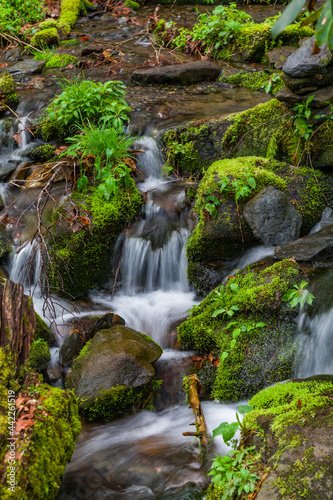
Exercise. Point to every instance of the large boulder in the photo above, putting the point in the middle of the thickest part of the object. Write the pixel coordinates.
(180, 74)
(113, 371)
(272, 218)
(250, 303)
(303, 63)
(222, 232)
(314, 247)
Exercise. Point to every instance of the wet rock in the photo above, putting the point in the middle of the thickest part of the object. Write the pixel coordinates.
(70, 348)
(26, 67)
(12, 54)
(181, 74)
(104, 322)
(317, 246)
(5, 243)
(321, 97)
(278, 56)
(302, 63)
(113, 371)
(326, 220)
(309, 83)
(272, 218)
(21, 173)
(91, 49)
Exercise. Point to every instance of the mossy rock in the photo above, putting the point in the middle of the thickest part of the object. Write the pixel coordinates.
(42, 153)
(132, 5)
(46, 448)
(70, 11)
(39, 355)
(47, 37)
(265, 130)
(42, 331)
(83, 257)
(258, 80)
(295, 420)
(48, 23)
(7, 85)
(221, 236)
(7, 373)
(113, 372)
(265, 349)
(59, 61)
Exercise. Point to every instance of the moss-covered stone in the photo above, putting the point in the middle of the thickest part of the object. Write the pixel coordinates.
(265, 347)
(259, 80)
(46, 37)
(45, 447)
(7, 373)
(39, 355)
(224, 235)
(42, 331)
(7, 85)
(70, 11)
(83, 257)
(59, 61)
(113, 372)
(295, 420)
(132, 5)
(48, 23)
(42, 153)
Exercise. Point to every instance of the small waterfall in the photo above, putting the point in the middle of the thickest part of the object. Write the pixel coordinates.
(316, 349)
(25, 264)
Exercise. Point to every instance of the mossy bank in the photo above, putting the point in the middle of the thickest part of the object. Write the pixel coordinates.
(83, 253)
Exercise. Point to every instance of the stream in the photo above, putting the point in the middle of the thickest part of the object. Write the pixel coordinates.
(144, 455)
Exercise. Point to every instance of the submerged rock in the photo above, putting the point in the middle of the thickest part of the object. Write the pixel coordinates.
(302, 63)
(113, 371)
(272, 218)
(181, 74)
(26, 67)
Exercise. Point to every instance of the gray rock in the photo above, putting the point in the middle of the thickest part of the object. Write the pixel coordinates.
(317, 246)
(107, 321)
(278, 56)
(326, 220)
(321, 97)
(302, 63)
(27, 67)
(308, 83)
(118, 356)
(181, 74)
(70, 349)
(272, 218)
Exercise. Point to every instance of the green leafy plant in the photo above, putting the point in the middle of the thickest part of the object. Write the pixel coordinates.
(215, 30)
(299, 295)
(303, 127)
(236, 333)
(268, 86)
(17, 13)
(109, 148)
(83, 100)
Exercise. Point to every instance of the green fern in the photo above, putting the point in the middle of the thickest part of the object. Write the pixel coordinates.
(294, 148)
(273, 145)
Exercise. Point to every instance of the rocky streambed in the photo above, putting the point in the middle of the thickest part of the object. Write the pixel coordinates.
(189, 236)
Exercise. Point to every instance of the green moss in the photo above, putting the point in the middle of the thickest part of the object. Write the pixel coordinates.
(132, 5)
(11, 100)
(59, 61)
(47, 37)
(281, 402)
(7, 372)
(159, 26)
(110, 403)
(48, 23)
(47, 448)
(293, 33)
(256, 80)
(42, 153)
(7, 85)
(91, 248)
(263, 354)
(39, 354)
(70, 10)
(84, 351)
(42, 331)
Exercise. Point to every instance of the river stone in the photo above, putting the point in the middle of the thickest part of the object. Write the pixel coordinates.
(181, 74)
(326, 220)
(102, 323)
(272, 218)
(70, 348)
(118, 356)
(320, 100)
(317, 246)
(277, 57)
(302, 63)
(27, 67)
(309, 83)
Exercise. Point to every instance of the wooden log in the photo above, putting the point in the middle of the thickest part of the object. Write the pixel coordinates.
(17, 321)
(192, 384)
